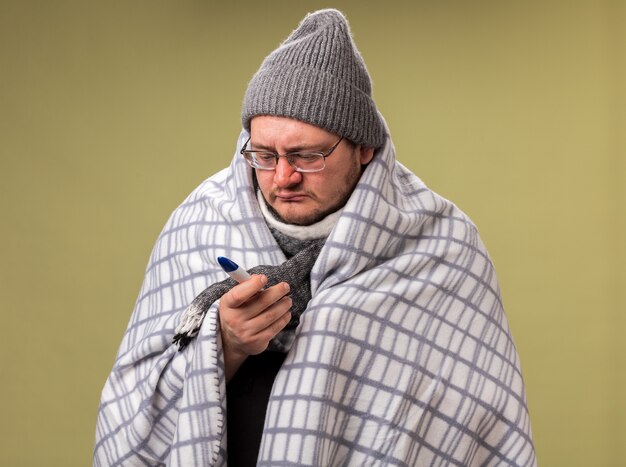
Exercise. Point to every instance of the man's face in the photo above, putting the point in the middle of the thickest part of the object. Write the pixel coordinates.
(305, 198)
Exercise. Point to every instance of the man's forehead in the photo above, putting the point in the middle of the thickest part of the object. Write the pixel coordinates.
(271, 129)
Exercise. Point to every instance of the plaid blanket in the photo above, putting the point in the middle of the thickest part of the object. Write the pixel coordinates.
(402, 357)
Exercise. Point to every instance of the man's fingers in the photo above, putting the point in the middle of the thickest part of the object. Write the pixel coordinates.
(271, 296)
(243, 292)
(273, 321)
(251, 316)
(279, 324)
(252, 300)
(274, 314)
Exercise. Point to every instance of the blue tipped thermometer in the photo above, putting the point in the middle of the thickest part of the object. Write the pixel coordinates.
(233, 269)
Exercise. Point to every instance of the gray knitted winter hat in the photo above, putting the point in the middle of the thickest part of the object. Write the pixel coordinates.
(318, 76)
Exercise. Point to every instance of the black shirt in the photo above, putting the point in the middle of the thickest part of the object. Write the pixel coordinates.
(247, 394)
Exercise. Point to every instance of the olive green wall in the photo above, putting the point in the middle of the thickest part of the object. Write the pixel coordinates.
(112, 111)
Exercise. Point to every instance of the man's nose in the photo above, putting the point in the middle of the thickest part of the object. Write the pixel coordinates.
(285, 175)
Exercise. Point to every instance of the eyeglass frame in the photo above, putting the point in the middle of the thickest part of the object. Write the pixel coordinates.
(288, 156)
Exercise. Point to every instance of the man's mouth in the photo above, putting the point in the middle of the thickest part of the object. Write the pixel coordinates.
(291, 197)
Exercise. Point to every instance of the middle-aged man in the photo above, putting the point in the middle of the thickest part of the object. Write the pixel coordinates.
(371, 331)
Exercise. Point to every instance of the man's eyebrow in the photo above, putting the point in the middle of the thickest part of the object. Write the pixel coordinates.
(299, 148)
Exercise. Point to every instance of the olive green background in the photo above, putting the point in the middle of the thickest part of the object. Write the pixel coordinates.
(112, 111)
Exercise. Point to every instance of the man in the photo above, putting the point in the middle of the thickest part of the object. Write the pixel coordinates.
(372, 331)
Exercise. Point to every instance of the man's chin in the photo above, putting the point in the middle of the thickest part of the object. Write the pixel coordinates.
(296, 216)
(295, 219)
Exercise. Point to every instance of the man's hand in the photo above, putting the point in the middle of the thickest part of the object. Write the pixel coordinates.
(250, 317)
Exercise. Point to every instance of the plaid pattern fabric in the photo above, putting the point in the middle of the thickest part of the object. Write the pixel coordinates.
(402, 357)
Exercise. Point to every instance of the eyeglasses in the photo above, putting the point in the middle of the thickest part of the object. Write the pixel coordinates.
(309, 161)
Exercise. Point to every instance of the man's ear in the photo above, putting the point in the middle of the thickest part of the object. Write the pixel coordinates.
(365, 154)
